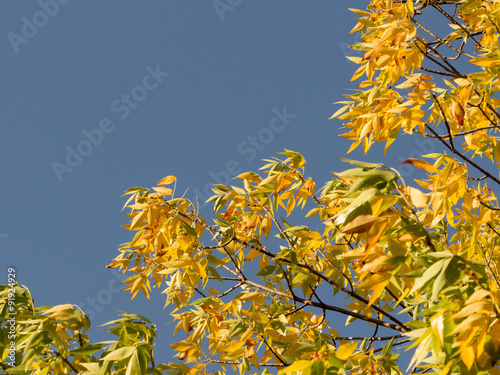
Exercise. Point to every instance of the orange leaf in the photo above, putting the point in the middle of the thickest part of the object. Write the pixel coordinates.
(458, 112)
(166, 180)
(360, 224)
(375, 233)
(422, 164)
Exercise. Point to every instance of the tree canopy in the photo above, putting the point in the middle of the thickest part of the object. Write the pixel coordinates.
(267, 283)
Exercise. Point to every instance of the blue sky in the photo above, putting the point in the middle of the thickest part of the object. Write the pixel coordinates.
(100, 96)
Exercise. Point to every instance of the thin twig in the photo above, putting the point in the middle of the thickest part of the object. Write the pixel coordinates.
(65, 360)
(454, 21)
(275, 354)
(263, 250)
(445, 121)
(463, 157)
(220, 295)
(437, 72)
(380, 338)
(237, 363)
(445, 136)
(442, 41)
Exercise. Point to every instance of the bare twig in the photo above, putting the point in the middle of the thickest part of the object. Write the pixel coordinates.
(237, 363)
(220, 295)
(380, 338)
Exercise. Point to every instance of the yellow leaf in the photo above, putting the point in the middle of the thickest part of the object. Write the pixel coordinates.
(378, 289)
(233, 346)
(495, 332)
(252, 254)
(250, 296)
(353, 254)
(290, 206)
(356, 60)
(258, 316)
(461, 82)
(267, 225)
(378, 265)
(410, 6)
(422, 351)
(163, 190)
(339, 112)
(479, 307)
(360, 224)
(377, 283)
(359, 12)
(437, 324)
(145, 291)
(353, 146)
(375, 233)
(417, 197)
(58, 308)
(346, 350)
(166, 180)
(298, 366)
(477, 295)
(136, 286)
(138, 219)
(468, 356)
(471, 321)
(254, 360)
(63, 312)
(495, 370)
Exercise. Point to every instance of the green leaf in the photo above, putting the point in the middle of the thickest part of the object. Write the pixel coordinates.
(313, 212)
(119, 354)
(396, 248)
(214, 260)
(297, 228)
(440, 281)
(362, 164)
(415, 324)
(87, 349)
(348, 216)
(334, 362)
(376, 174)
(213, 272)
(387, 348)
(238, 329)
(134, 367)
(428, 275)
(127, 316)
(421, 352)
(189, 230)
(318, 368)
(364, 197)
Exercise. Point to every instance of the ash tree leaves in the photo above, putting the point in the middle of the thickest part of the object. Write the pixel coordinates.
(416, 82)
(55, 341)
(268, 282)
(262, 278)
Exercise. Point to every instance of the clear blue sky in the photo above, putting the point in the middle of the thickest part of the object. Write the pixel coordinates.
(100, 96)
